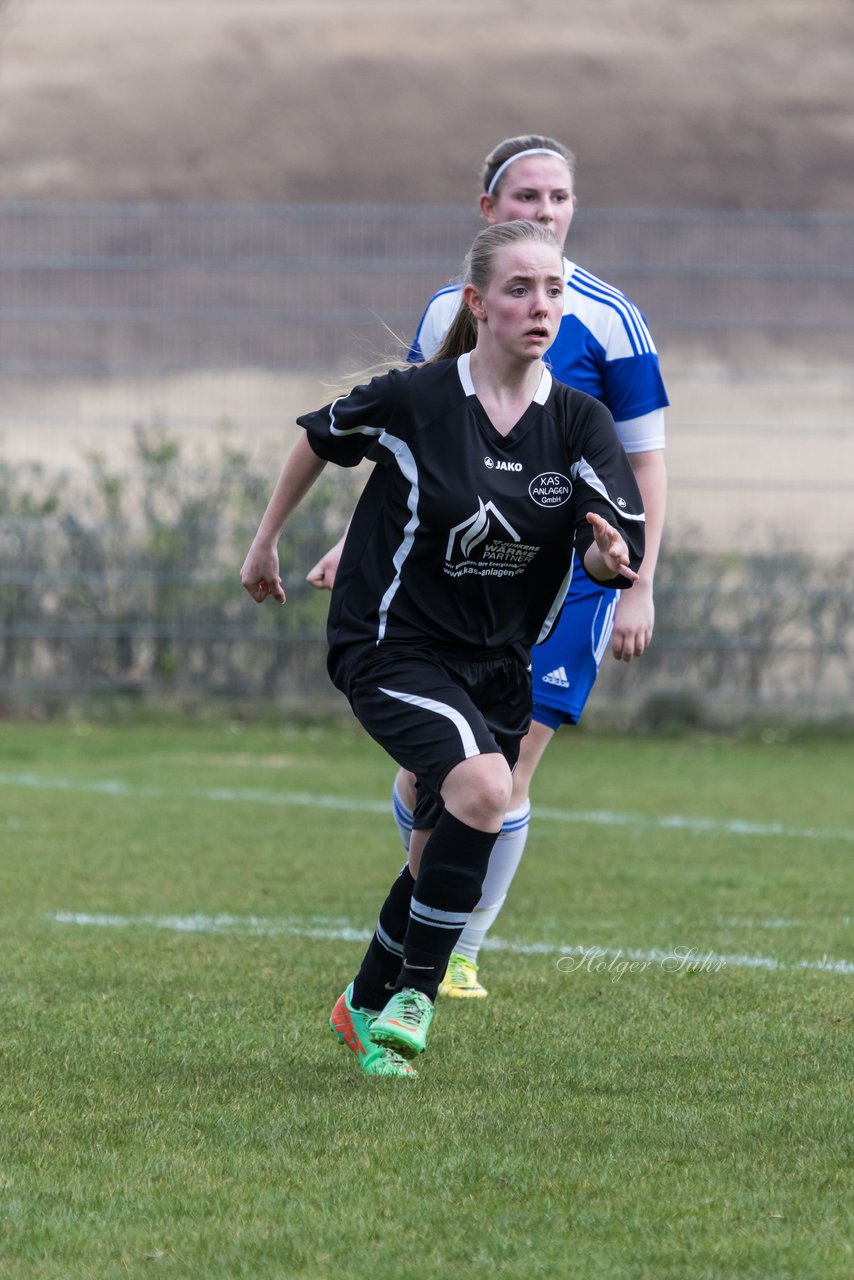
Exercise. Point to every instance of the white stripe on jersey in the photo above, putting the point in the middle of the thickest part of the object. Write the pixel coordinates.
(590, 286)
(349, 431)
(436, 321)
(557, 605)
(583, 469)
(470, 746)
(540, 396)
(409, 469)
(464, 373)
(643, 434)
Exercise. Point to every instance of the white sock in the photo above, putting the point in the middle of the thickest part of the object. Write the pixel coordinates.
(503, 861)
(403, 816)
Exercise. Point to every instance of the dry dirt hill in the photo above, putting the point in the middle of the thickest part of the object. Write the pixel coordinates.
(730, 104)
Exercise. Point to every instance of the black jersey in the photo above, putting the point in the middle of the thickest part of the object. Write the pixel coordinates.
(463, 538)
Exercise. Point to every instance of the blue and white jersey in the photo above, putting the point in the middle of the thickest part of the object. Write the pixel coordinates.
(603, 347)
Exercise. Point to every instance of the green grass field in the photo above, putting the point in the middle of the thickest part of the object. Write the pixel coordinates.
(182, 904)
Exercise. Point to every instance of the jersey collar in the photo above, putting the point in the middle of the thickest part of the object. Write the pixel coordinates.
(541, 394)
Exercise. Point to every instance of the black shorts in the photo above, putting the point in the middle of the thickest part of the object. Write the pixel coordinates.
(431, 711)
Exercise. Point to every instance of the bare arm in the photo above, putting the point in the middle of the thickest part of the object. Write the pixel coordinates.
(260, 572)
(636, 611)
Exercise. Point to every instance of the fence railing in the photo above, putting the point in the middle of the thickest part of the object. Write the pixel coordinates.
(94, 596)
(132, 589)
(108, 289)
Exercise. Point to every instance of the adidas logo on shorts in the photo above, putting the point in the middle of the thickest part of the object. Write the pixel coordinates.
(558, 676)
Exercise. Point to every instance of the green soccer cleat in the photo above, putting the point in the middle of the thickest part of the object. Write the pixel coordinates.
(460, 980)
(404, 1023)
(353, 1028)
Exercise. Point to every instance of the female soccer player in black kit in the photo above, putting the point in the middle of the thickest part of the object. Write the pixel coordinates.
(449, 574)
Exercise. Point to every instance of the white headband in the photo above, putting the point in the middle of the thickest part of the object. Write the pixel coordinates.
(534, 151)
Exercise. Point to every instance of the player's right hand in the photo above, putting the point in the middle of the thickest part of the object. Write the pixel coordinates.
(260, 576)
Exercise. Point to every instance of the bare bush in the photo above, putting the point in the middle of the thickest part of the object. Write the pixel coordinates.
(128, 582)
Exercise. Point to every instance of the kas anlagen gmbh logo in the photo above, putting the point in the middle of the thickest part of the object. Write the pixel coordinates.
(486, 544)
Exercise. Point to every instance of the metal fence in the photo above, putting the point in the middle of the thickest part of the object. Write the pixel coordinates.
(103, 588)
(107, 289)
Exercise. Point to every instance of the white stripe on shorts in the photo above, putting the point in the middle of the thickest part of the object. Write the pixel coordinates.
(470, 746)
(605, 634)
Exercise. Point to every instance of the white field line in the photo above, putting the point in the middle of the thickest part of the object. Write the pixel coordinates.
(356, 804)
(781, 922)
(593, 958)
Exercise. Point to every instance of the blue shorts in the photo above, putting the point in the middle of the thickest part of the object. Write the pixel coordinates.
(565, 667)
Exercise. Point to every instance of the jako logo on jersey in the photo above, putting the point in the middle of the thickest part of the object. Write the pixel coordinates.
(502, 466)
(558, 677)
(550, 489)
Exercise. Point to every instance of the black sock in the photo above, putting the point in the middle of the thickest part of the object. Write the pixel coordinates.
(376, 979)
(448, 888)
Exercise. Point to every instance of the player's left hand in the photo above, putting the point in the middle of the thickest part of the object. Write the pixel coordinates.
(611, 547)
(634, 623)
(322, 574)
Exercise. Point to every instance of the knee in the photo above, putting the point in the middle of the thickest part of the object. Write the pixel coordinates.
(495, 793)
(478, 791)
(404, 785)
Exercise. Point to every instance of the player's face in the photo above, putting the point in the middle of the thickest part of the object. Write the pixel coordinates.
(537, 189)
(522, 305)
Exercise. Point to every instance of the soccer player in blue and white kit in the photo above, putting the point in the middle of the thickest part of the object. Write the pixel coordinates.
(448, 576)
(603, 347)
